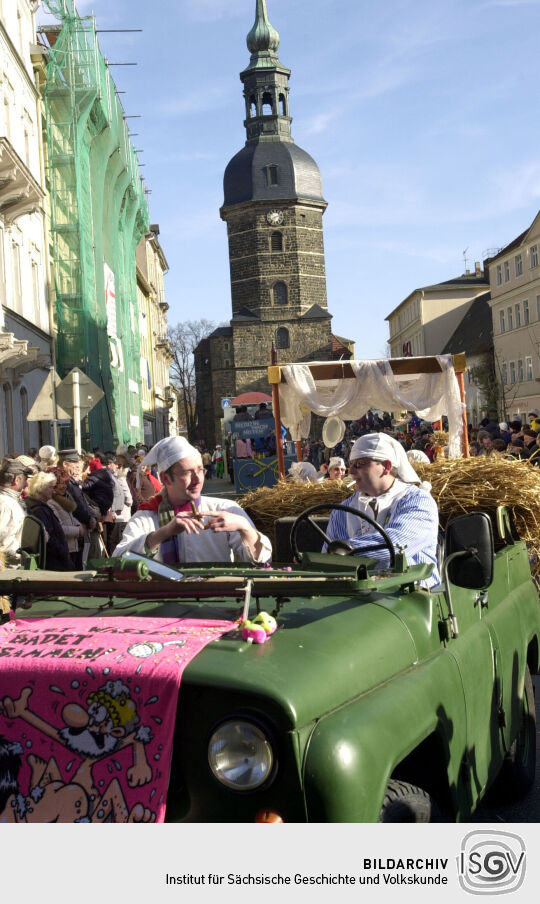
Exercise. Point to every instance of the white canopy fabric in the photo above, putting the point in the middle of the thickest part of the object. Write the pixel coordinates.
(374, 386)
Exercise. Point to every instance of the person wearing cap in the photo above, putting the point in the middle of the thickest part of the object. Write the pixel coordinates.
(71, 463)
(336, 468)
(217, 460)
(388, 490)
(180, 525)
(47, 458)
(14, 476)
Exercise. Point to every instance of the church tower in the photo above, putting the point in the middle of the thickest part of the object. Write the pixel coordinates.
(273, 206)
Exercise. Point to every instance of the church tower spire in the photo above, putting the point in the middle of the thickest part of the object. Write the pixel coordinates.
(266, 83)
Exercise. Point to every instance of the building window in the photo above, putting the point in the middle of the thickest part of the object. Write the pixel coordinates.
(504, 373)
(525, 312)
(272, 174)
(280, 293)
(518, 265)
(528, 369)
(533, 256)
(506, 271)
(282, 105)
(226, 362)
(24, 416)
(16, 274)
(226, 346)
(501, 321)
(512, 372)
(252, 107)
(518, 315)
(510, 319)
(282, 338)
(276, 241)
(8, 403)
(499, 275)
(520, 370)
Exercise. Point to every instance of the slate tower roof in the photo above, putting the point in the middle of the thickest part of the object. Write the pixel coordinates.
(270, 167)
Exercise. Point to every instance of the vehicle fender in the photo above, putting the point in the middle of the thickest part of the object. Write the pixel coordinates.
(353, 751)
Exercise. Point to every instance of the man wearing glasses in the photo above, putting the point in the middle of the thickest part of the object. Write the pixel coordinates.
(390, 492)
(180, 525)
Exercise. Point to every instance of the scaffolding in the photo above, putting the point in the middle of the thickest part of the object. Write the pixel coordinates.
(98, 214)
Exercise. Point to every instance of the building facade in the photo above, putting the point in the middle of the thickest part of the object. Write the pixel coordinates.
(514, 275)
(422, 323)
(25, 323)
(474, 338)
(98, 213)
(157, 395)
(273, 207)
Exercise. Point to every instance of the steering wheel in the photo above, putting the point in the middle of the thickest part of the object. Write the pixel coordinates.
(340, 547)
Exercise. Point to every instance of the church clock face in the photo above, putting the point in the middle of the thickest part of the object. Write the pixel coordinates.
(274, 217)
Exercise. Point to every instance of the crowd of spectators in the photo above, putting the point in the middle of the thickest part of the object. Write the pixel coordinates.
(85, 500)
(82, 500)
(516, 438)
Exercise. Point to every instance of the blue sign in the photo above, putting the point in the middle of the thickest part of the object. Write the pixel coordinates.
(225, 403)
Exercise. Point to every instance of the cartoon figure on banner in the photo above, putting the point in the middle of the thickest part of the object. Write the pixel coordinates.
(105, 726)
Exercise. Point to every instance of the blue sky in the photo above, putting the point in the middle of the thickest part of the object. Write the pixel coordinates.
(423, 117)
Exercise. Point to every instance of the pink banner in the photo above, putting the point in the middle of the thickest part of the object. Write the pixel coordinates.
(87, 715)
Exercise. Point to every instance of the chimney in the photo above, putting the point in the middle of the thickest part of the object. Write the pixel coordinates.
(478, 270)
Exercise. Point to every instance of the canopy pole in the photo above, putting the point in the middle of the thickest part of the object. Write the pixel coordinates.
(465, 435)
(274, 376)
(298, 445)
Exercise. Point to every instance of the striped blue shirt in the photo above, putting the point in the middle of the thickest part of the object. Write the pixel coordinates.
(413, 524)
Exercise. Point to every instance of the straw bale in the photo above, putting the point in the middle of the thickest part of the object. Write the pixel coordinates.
(458, 485)
(482, 483)
(289, 498)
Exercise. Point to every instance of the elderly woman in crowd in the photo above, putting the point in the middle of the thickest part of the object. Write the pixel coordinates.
(41, 487)
(63, 507)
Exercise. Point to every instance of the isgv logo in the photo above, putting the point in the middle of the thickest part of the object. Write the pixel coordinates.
(491, 862)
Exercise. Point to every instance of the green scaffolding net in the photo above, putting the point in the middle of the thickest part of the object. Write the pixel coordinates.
(98, 213)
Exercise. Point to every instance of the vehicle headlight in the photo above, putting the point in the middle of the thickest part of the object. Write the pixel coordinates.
(240, 755)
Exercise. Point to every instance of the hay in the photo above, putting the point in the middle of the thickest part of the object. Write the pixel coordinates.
(458, 485)
(289, 497)
(482, 483)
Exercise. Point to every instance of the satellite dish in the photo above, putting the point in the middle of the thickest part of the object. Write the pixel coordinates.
(333, 431)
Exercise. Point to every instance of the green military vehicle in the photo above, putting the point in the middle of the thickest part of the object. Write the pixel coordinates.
(374, 700)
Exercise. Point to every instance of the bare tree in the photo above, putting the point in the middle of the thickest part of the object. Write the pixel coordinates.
(183, 340)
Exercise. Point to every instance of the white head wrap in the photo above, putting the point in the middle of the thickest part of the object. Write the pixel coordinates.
(168, 451)
(47, 452)
(303, 470)
(381, 447)
(336, 462)
(418, 455)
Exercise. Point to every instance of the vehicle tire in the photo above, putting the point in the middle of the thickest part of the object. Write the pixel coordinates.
(519, 765)
(407, 803)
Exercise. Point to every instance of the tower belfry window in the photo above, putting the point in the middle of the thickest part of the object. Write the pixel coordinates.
(252, 107)
(276, 241)
(267, 104)
(282, 105)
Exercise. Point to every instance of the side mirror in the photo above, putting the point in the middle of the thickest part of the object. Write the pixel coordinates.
(469, 551)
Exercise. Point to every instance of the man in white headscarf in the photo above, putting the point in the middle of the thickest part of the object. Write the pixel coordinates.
(180, 525)
(390, 492)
